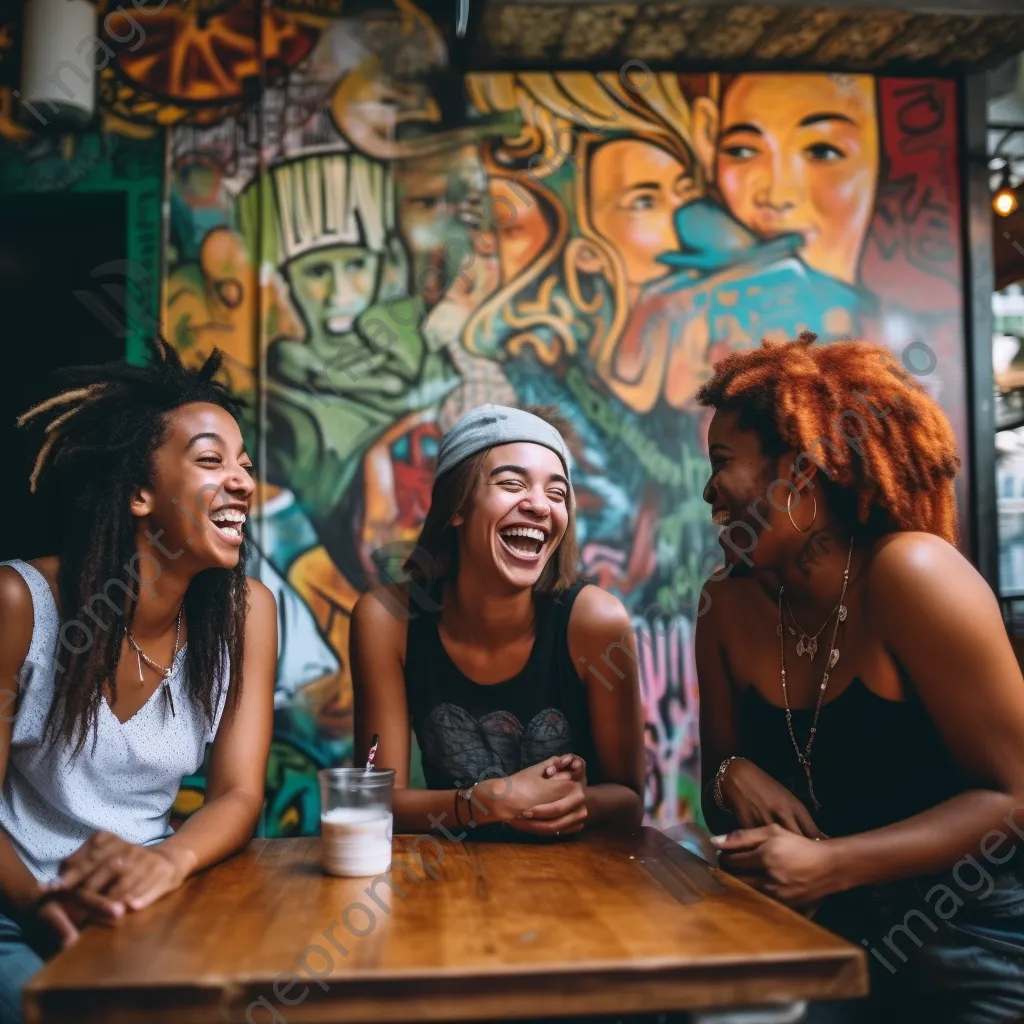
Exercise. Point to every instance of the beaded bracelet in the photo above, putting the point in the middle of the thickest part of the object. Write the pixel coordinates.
(716, 790)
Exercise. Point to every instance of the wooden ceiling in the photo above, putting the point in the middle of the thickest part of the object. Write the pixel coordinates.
(896, 38)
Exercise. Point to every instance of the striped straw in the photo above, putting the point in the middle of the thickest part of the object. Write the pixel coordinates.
(373, 752)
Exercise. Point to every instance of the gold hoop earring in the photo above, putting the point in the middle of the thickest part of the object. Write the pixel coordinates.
(789, 510)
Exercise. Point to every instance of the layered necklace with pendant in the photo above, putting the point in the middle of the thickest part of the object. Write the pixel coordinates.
(808, 645)
(141, 656)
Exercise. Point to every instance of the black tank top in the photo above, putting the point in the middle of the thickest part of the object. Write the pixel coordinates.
(874, 761)
(468, 732)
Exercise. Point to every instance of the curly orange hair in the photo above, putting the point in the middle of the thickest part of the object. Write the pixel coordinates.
(886, 448)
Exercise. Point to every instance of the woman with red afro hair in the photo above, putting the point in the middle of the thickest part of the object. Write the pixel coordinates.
(862, 711)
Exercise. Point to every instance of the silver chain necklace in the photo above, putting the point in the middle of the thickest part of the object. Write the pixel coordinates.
(806, 642)
(804, 757)
(141, 656)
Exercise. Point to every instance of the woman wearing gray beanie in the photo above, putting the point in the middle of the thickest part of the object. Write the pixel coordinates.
(518, 678)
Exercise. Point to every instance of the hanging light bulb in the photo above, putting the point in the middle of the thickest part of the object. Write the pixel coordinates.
(1004, 202)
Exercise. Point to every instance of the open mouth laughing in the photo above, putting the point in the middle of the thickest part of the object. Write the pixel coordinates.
(229, 522)
(524, 542)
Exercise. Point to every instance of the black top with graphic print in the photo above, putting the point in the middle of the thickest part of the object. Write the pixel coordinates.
(469, 732)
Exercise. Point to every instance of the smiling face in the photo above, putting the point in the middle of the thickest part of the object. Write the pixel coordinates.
(635, 188)
(799, 152)
(333, 286)
(200, 489)
(743, 493)
(518, 514)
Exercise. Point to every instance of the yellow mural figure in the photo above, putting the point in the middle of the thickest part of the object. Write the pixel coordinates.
(797, 152)
(384, 102)
(522, 229)
(627, 139)
(217, 302)
(525, 309)
(634, 187)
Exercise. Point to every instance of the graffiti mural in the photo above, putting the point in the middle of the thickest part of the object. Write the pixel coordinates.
(378, 244)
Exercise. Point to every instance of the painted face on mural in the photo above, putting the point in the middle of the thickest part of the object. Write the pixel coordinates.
(800, 153)
(201, 487)
(518, 514)
(333, 286)
(441, 198)
(635, 187)
(738, 493)
(522, 229)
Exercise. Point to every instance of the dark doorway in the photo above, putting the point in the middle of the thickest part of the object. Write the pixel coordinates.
(50, 248)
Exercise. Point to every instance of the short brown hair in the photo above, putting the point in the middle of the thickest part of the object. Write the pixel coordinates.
(436, 556)
(795, 395)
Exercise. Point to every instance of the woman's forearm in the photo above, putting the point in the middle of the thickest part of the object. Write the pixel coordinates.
(434, 810)
(221, 827)
(931, 842)
(716, 820)
(18, 886)
(611, 803)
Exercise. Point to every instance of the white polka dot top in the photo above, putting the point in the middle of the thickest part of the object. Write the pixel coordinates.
(124, 783)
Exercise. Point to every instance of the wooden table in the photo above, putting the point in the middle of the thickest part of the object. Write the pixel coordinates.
(463, 931)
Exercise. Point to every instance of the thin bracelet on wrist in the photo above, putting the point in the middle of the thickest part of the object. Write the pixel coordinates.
(716, 789)
(469, 804)
(466, 794)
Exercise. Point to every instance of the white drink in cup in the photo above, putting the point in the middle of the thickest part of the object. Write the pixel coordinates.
(356, 841)
(356, 823)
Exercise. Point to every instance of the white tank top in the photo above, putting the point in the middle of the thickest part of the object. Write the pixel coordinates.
(125, 782)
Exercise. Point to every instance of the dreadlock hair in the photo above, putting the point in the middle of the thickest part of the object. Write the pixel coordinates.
(97, 438)
(886, 449)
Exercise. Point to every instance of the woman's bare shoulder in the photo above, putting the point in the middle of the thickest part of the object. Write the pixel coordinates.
(386, 609)
(17, 616)
(917, 559)
(598, 607)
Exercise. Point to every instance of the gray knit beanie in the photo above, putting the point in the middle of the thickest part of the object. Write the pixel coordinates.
(487, 426)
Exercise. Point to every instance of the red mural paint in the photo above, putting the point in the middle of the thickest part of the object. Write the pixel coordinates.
(913, 248)
(912, 260)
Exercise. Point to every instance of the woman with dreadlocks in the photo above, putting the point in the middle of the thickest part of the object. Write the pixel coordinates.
(862, 711)
(125, 655)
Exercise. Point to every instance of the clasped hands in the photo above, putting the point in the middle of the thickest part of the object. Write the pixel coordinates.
(104, 879)
(546, 799)
(778, 848)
